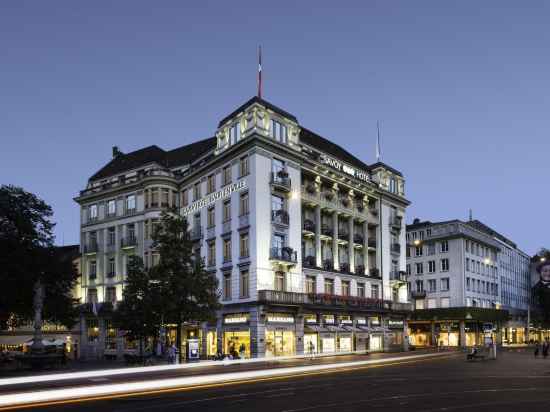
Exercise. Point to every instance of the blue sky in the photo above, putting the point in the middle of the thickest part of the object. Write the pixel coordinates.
(461, 89)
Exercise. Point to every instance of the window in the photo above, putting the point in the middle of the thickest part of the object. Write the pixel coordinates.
(111, 267)
(418, 251)
(243, 166)
(243, 243)
(243, 204)
(420, 286)
(444, 246)
(431, 249)
(360, 290)
(92, 212)
(329, 286)
(277, 242)
(277, 203)
(235, 133)
(278, 131)
(226, 173)
(211, 184)
(428, 232)
(431, 266)
(393, 186)
(110, 294)
(226, 286)
(227, 211)
(211, 217)
(111, 208)
(131, 203)
(227, 250)
(197, 191)
(280, 281)
(408, 267)
(468, 284)
(93, 269)
(310, 284)
(155, 259)
(245, 284)
(165, 198)
(467, 246)
(419, 304)
(92, 295)
(445, 302)
(432, 285)
(185, 197)
(345, 288)
(445, 265)
(111, 236)
(374, 291)
(444, 284)
(419, 268)
(432, 303)
(467, 264)
(211, 254)
(131, 231)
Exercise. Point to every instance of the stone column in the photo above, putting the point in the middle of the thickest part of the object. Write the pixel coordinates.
(335, 261)
(433, 338)
(462, 326)
(318, 250)
(366, 246)
(351, 246)
(405, 335)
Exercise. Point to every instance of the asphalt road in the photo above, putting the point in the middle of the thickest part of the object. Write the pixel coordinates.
(515, 381)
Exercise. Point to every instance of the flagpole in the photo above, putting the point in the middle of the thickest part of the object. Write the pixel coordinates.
(260, 72)
(378, 154)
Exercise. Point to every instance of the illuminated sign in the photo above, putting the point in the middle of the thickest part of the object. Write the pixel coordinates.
(336, 164)
(374, 321)
(280, 318)
(310, 318)
(213, 198)
(392, 323)
(236, 318)
(361, 321)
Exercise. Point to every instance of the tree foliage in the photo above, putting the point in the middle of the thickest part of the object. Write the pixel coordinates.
(28, 254)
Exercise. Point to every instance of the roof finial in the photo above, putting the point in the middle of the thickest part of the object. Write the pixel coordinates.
(260, 72)
(378, 149)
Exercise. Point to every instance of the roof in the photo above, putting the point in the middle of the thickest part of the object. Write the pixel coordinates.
(385, 166)
(426, 223)
(154, 154)
(314, 140)
(486, 229)
(264, 103)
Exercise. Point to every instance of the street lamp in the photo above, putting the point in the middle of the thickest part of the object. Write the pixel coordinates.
(416, 242)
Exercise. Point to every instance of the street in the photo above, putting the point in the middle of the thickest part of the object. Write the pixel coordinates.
(514, 380)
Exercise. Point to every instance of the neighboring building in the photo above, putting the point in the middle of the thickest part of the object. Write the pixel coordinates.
(540, 295)
(305, 239)
(455, 266)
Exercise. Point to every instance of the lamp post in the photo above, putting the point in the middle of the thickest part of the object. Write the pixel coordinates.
(38, 304)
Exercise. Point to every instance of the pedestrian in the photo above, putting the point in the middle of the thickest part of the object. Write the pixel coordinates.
(172, 354)
(242, 351)
(545, 348)
(537, 349)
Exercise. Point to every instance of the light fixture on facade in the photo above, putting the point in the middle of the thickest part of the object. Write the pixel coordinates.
(487, 261)
(416, 242)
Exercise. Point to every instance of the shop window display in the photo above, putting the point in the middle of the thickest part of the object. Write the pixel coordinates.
(237, 343)
(279, 343)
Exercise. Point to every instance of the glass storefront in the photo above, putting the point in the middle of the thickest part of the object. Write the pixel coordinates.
(449, 334)
(344, 343)
(311, 343)
(361, 341)
(328, 343)
(420, 334)
(211, 343)
(236, 342)
(375, 343)
(279, 343)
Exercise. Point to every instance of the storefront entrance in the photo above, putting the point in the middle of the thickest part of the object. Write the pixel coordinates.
(279, 343)
(328, 343)
(311, 343)
(236, 343)
(344, 343)
(375, 343)
(361, 341)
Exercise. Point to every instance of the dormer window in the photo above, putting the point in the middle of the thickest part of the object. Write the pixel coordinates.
(393, 185)
(235, 133)
(278, 131)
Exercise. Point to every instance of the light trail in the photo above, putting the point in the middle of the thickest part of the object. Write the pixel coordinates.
(98, 392)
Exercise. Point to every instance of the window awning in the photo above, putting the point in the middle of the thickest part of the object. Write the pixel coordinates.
(314, 329)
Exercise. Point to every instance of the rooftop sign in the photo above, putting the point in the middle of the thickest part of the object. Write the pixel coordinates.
(338, 165)
(213, 198)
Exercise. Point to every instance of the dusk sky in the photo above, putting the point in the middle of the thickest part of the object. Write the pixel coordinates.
(461, 89)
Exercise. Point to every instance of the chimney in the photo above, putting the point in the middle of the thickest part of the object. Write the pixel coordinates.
(116, 152)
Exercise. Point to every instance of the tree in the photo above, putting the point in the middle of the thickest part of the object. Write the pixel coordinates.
(37, 278)
(189, 292)
(139, 312)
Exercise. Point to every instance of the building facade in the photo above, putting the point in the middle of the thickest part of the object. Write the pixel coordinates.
(306, 240)
(455, 266)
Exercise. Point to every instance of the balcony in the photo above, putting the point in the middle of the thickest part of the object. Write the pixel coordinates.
(128, 242)
(360, 269)
(280, 217)
(328, 265)
(91, 248)
(398, 276)
(358, 239)
(396, 221)
(396, 248)
(374, 272)
(111, 274)
(308, 226)
(343, 235)
(284, 256)
(195, 234)
(309, 261)
(130, 212)
(372, 243)
(418, 294)
(326, 230)
(344, 267)
(281, 181)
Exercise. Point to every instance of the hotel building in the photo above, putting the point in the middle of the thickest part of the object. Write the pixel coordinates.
(306, 239)
(467, 282)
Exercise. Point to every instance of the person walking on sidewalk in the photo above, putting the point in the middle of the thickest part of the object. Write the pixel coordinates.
(537, 349)
(545, 348)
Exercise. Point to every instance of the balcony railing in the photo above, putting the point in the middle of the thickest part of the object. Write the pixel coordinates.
(309, 261)
(91, 247)
(372, 243)
(195, 233)
(396, 221)
(398, 275)
(127, 242)
(358, 238)
(360, 269)
(281, 180)
(328, 264)
(280, 217)
(326, 230)
(374, 272)
(344, 267)
(343, 235)
(284, 254)
(418, 294)
(396, 248)
(308, 225)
